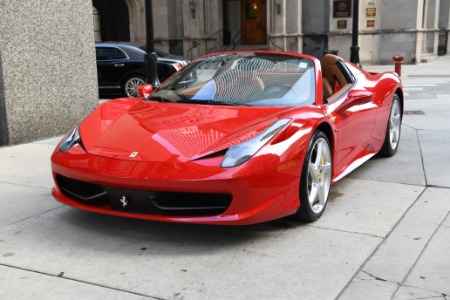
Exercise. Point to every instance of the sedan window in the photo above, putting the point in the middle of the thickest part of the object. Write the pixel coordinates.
(109, 53)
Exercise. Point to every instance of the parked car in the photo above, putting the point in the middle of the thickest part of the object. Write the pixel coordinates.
(182, 61)
(121, 68)
(233, 138)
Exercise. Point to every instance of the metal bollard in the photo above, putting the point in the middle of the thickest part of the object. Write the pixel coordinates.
(398, 60)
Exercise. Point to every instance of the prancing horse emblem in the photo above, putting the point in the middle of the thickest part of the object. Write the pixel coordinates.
(134, 154)
(124, 201)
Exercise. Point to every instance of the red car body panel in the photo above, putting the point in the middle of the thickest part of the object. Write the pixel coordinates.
(179, 148)
(365, 109)
(179, 132)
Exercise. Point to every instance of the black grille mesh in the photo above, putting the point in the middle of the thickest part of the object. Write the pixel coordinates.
(144, 201)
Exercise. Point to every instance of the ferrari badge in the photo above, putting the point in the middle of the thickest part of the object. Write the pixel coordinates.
(124, 201)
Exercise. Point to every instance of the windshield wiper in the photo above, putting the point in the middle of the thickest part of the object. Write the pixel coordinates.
(229, 103)
(226, 103)
(203, 102)
(158, 98)
(212, 102)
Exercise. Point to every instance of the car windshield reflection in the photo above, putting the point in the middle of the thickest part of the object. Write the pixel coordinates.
(251, 79)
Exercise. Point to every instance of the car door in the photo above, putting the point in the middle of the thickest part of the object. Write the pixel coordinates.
(354, 114)
(111, 66)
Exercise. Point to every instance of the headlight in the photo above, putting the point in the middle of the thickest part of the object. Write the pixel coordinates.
(72, 138)
(240, 153)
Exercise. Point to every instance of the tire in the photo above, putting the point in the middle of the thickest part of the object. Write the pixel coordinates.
(130, 85)
(392, 138)
(315, 181)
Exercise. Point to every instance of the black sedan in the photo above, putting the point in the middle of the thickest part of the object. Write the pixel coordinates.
(120, 67)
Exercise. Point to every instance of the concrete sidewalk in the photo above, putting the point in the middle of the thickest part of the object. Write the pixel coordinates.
(384, 235)
(413, 261)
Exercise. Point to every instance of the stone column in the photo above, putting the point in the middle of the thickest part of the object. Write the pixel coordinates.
(276, 24)
(48, 77)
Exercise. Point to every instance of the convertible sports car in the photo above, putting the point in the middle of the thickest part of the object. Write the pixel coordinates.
(233, 138)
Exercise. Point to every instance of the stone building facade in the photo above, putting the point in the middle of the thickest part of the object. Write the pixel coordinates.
(416, 29)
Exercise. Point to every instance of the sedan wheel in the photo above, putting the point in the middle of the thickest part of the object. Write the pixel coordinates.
(131, 85)
(392, 138)
(315, 181)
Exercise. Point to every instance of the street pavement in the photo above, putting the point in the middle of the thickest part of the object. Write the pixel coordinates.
(385, 233)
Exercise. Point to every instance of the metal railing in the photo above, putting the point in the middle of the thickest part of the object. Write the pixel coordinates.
(269, 38)
(234, 41)
(202, 41)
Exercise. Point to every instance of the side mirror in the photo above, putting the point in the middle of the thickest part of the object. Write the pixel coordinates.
(145, 90)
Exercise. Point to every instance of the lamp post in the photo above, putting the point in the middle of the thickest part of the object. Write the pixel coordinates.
(150, 58)
(354, 49)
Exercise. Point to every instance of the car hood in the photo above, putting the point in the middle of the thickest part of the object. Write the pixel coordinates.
(131, 129)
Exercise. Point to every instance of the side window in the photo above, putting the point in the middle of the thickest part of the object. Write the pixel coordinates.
(352, 69)
(109, 53)
(346, 72)
(164, 71)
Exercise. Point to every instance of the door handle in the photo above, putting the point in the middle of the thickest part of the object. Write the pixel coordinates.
(119, 65)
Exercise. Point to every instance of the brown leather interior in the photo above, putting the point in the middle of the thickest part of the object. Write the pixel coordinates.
(331, 71)
(327, 89)
(332, 76)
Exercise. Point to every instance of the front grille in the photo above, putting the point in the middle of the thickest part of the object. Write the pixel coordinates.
(84, 191)
(144, 201)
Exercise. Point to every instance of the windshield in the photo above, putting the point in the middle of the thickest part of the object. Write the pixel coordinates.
(253, 79)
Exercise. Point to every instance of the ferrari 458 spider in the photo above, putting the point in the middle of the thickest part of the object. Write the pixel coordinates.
(233, 138)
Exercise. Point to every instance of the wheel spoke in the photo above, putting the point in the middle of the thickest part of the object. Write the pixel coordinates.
(395, 136)
(319, 148)
(312, 171)
(313, 193)
(312, 183)
(394, 125)
(326, 168)
(321, 196)
(325, 183)
(396, 119)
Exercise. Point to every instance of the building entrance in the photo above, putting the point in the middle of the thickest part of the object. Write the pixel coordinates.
(113, 19)
(254, 22)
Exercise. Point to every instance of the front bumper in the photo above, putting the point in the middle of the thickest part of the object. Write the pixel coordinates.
(252, 193)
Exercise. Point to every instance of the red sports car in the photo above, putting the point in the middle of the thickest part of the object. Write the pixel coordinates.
(233, 138)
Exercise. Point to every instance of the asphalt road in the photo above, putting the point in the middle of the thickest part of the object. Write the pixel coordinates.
(385, 233)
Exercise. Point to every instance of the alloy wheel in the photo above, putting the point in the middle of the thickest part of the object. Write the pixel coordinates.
(319, 175)
(394, 124)
(131, 86)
